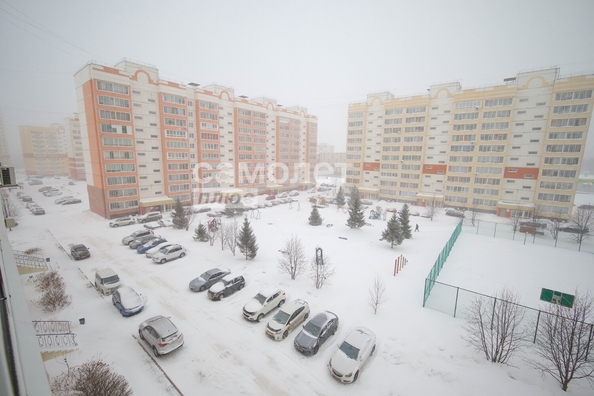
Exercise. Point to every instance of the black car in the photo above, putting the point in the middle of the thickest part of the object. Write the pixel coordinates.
(79, 252)
(227, 286)
(316, 332)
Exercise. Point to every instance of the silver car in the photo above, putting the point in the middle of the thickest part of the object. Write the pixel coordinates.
(161, 335)
(169, 253)
(122, 221)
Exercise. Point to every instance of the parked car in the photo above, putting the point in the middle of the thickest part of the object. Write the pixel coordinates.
(141, 241)
(152, 251)
(366, 202)
(26, 198)
(203, 209)
(270, 197)
(37, 210)
(454, 212)
(134, 235)
(150, 244)
(46, 188)
(169, 253)
(414, 213)
(62, 199)
(127, 301)
(263, 303)
(71, 201)
(122, 221)
(294, 193)
(283, 195)
(161, 335)
(52, 193)
(352, 354)
(287, 319)
(426, 215)
(165, 223)
(149, 216)
(107, 281)
(207, 279)
(228, 285)
(316, 332)
(79, 252)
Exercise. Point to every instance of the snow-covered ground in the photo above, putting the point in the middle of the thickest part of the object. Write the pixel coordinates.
(420, 350)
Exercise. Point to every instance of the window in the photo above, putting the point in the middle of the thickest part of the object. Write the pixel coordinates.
(563, 148)
(122, 142)
(111, 87)
(577, 95)
(114, 115)
(566, 135)
(176, 156)
(497, 114)
(175, 133)
(466, 116)
(116, 102)
(393, 112)
(174, 110)
(176, 144)
(568, 122)
(208, 105)
(120, 168)
(475, 104)
(464, 127)
(582, 108)
(174, 99)
(417, 109)
(175, 122)
(494, 125)
(499, 102)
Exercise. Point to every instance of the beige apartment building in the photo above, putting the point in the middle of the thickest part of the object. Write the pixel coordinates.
(44, 150)
(147, 141)
(76, 161)
(505, 149)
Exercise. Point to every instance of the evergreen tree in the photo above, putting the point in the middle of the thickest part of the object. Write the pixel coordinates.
(340, 199)
(246, 241)
(393, 232)
(178, 216)
(404, 218)
(315, 219)
(200, 233)
(356, 212)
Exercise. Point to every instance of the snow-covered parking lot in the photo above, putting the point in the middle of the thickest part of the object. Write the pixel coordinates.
(419, 350)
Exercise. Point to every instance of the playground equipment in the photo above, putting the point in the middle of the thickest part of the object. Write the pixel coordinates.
(376, 214)
(319, 256)
(213, 225)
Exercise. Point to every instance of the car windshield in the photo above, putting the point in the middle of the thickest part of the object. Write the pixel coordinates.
(206, 276)
(281, 317)
(261, 299)
(111, 279)
(349, 350)
(80, 249)
(164, 250)
(312, 329)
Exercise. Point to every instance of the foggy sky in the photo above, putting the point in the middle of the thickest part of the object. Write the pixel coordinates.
(321, 55)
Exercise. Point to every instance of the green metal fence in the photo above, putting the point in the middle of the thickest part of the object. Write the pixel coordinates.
(441, 259)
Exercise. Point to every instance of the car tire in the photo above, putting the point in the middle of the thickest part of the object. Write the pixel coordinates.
(162, 261)
(285, 334)
(316, 349)
(115, 225)
(182, 255)
(260, 317)
(221, 297)
(280, 303)
(140, 335)
(306, 316)
(156, 352)
(372, 350)
(201, 289)
(241, 287)
(356, 377)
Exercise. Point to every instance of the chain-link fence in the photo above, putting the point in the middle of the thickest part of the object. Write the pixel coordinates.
(542, 236)
(457, 302)
(441, 259)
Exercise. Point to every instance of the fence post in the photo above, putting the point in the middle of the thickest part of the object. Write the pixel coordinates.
(495, 231)
(536, 330)
(425, 293)
(478, 224)
(456, 304)
(493, 315)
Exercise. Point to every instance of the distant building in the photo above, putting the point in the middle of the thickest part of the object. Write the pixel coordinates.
(76, 160)
(4, 149)
(147, 141)
(336, 160)
(511, 148)
(45, 150)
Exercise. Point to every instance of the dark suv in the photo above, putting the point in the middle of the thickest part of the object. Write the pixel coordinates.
(79, 252)
(227, 286)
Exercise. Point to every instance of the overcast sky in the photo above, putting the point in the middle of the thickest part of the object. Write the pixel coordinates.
(321, 55)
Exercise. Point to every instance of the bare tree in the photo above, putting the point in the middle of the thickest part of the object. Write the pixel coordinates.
(583, 218)
(222, 235)
(53, 289)
(514, 221)
(564, 345)
(232, 231)
(431, 208)
(189, 217)
(293, 260)
(377, 293)
(321, 269)
(213, 232)
(555, 225)
(92, 378)
(494, 326)
(9, 208)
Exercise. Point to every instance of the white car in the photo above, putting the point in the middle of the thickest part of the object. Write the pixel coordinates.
(169, 253)
(62, 199)
(152, 251)
(122, 221)
(352, 354)
(262, 303)
(287, 319)
(293, 193)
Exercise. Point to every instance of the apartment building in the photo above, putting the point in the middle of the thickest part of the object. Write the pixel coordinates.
(147, 141)
(45, 150)
(511, 148)
(76, 161)
(5, 158)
